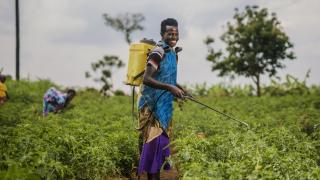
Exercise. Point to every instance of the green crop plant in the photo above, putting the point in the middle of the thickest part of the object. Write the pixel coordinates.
(95, 137)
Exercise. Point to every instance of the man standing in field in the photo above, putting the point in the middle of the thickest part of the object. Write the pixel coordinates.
(156, 101)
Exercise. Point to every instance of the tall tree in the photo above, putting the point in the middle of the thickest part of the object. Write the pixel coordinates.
(17, 41)
(126, 23)
(255, 44)
(102, 70)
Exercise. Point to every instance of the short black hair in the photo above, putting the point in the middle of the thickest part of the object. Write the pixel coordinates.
(167, 22)
(70, 95)
(71, 91)
(2, 78)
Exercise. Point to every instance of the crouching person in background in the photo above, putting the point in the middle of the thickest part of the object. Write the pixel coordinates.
(3, 90)
(55, 100)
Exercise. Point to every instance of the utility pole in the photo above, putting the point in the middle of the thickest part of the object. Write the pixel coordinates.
(17, 42)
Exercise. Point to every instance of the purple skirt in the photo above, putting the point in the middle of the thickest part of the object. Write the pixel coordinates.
(153, 156)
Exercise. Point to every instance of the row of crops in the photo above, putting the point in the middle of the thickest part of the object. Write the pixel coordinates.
(91, 139)
(95, 137)
(281, 143)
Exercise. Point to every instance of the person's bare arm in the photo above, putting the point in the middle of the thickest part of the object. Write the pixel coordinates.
(179, 86)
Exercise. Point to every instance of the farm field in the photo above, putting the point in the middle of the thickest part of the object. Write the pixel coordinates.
(95, 137)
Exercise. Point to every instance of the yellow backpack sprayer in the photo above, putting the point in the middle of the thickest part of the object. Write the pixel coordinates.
(137, 61)
(138, 55)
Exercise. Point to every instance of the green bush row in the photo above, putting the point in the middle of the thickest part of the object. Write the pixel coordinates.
(290, 86)
(211, 146)
(93, 138)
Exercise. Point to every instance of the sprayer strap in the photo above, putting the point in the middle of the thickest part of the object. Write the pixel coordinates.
(132, 110)
(138, 75)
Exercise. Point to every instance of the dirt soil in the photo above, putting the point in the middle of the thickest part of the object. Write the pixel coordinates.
(164, 175)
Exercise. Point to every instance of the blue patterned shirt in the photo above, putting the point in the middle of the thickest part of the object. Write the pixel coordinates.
(160, 101)
(53, 100)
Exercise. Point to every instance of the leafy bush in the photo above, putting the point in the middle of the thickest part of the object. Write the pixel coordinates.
(291, 86)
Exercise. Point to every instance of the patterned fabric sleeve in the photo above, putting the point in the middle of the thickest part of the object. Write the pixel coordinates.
(53, 100)
(61, 98)
(155, 57)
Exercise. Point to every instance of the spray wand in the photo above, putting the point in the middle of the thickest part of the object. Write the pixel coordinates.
(188, 96)
(191, 98)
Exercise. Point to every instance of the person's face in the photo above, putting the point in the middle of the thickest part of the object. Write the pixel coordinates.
(171, 36)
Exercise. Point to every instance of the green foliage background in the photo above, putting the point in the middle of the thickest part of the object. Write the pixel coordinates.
(91, 139)
(95, 137)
